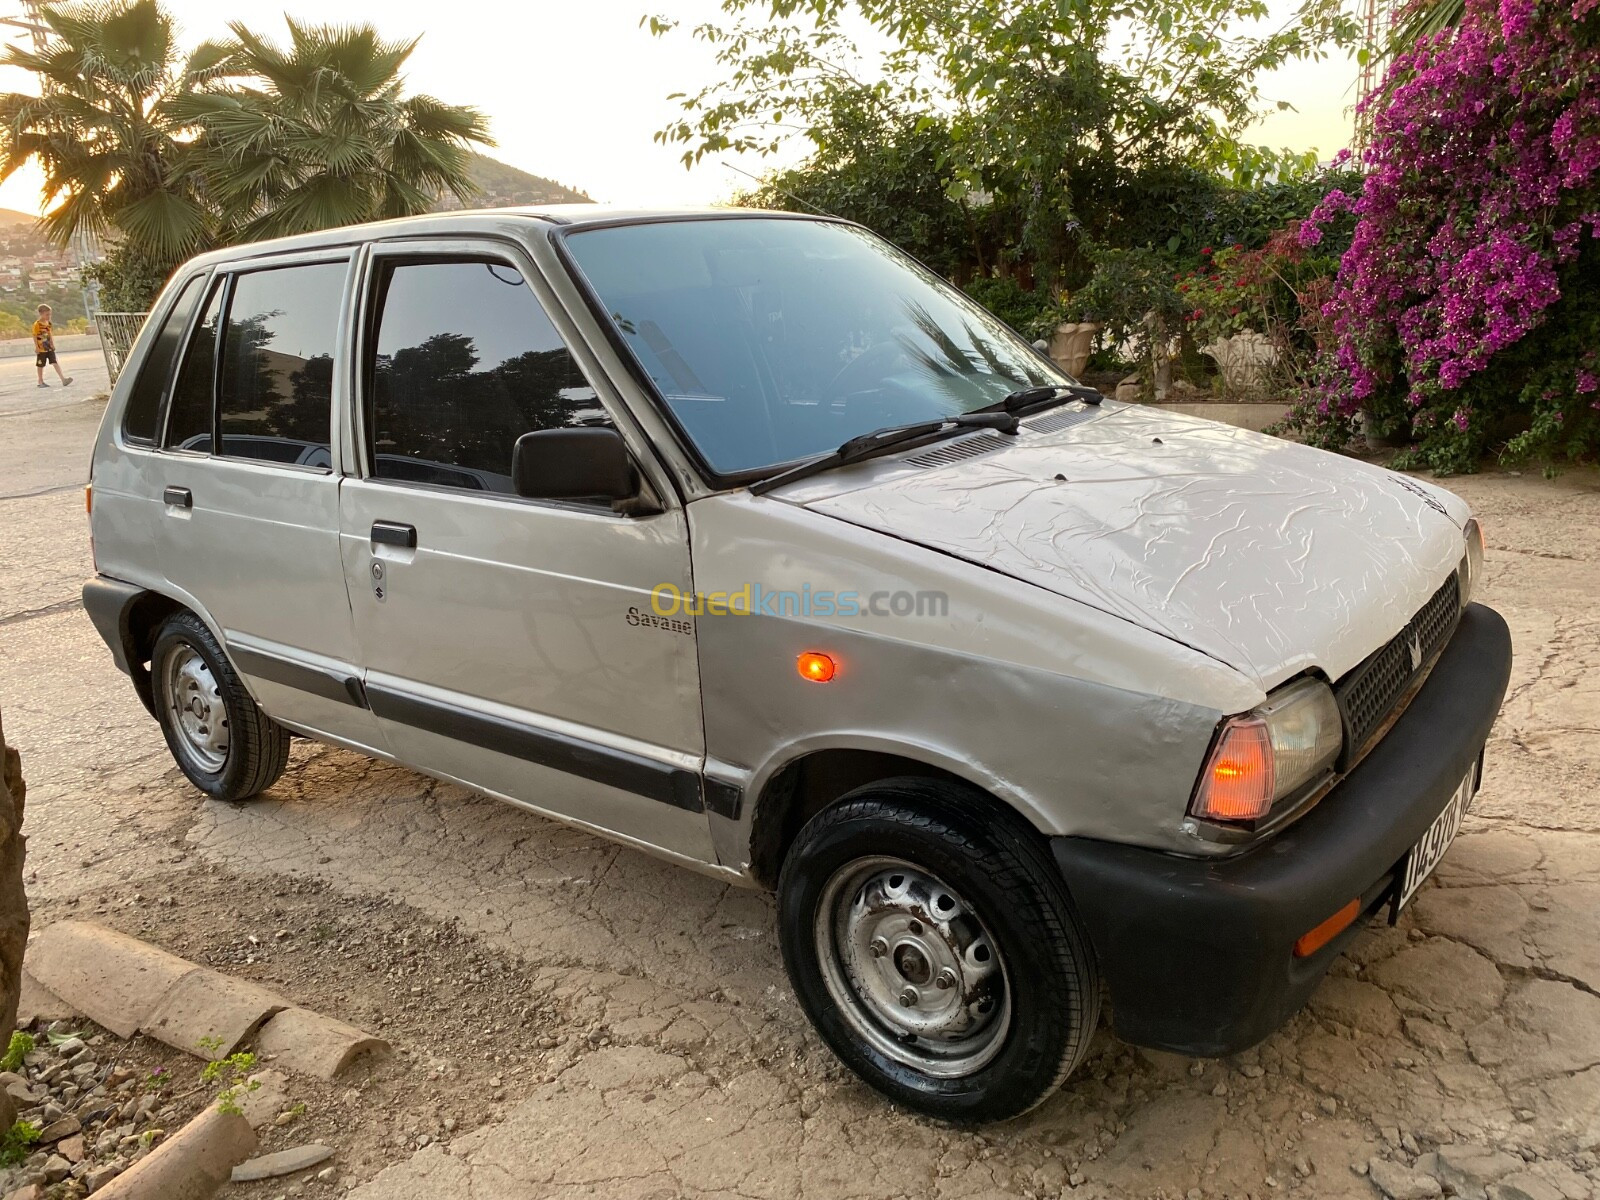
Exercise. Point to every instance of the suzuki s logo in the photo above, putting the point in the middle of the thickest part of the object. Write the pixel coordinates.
(1416, 651)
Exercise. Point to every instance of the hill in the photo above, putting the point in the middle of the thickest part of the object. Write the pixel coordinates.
(11, 216)
(502, 185)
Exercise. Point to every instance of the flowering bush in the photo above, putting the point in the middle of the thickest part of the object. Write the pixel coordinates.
(1278, 290)
(1467, 308)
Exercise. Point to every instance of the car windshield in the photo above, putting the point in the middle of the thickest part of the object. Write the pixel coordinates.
(774, 339)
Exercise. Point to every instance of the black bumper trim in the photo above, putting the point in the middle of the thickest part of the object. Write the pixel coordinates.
(1198, 953)
(110, 604)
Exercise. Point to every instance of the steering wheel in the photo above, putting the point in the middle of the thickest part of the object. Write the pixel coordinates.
(878, 355)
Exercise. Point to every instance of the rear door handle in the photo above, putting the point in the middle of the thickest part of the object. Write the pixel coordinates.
(178, 497)
(392, 533)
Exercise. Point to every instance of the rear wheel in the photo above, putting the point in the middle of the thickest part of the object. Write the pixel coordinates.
(931, 942)
(227, 747)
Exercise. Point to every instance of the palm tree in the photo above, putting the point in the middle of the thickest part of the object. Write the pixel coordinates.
(106, 126)
(318, 134)
(1423, 18)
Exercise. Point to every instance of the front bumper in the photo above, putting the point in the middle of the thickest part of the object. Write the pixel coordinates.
(1198, 954)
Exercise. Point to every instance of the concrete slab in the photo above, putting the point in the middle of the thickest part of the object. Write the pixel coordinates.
(114, 980)
(283, 1162)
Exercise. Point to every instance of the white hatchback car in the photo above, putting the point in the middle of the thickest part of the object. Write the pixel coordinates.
(743, 539)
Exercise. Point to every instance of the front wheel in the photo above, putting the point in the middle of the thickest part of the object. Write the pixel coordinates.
(932, 944)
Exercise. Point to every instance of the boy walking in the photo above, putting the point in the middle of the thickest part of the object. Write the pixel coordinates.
(44, 347)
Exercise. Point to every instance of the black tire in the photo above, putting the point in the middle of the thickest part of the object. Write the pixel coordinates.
(257, 747)
(1002, 873)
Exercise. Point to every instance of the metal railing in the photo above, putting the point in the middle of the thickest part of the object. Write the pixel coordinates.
(117, 333)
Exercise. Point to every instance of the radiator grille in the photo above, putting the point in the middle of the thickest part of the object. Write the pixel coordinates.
(1369, 693)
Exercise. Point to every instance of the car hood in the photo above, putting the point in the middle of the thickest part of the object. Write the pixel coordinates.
(1269, 556)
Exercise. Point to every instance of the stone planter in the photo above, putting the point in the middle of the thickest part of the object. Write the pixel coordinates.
(1071, 344)
(1242, 360)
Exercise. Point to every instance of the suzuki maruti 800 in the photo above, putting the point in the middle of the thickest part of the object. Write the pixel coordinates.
(745, 540)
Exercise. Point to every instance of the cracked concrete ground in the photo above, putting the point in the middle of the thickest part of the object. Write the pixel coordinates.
(661, 1053)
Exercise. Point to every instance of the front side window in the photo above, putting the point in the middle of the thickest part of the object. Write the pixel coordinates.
(463, 362)
(773, 339)
(144, 401)
(189, 413)
(276, 384)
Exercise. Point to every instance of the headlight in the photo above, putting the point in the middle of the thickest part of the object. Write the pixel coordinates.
(1471, 569)
(1270, 752)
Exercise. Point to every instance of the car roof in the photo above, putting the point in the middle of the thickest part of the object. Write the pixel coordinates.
(473, 220)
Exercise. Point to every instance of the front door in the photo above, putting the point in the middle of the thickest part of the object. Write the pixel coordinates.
(496, 631)
(249, 500)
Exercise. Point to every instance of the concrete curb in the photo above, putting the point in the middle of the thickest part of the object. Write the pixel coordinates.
(39, 1003)
(66, 343)
(313, 1044)
(129, 986)
(209, 1014)
(200, 1157)
(112, 979)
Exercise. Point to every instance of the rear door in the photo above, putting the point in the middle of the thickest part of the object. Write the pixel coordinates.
(249, 496)
(496, 631)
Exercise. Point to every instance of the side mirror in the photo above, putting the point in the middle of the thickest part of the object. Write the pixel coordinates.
(586, 463)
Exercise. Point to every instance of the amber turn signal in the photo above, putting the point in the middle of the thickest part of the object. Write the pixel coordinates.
(88, 498)
(1240, 778)
(1312, 940)
(816, 667)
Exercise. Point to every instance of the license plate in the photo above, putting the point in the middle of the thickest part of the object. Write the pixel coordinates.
(1425, 855)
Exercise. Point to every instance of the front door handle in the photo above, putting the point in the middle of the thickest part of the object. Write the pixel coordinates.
(392, 533)
(178, 497)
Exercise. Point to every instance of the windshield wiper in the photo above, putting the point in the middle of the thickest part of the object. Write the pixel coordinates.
(880, 441)
(1044, 397)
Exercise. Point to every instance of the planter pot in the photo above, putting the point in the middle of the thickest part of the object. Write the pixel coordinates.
(1242, 360)
(1071, 344)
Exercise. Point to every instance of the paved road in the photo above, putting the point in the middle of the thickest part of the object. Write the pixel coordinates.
(19, 382)
(680, 1063)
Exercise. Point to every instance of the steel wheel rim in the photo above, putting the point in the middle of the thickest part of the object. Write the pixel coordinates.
(911, 967)
(195, 704)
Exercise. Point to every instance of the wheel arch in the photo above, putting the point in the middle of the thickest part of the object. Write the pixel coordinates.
(815, 777)
(128, 617)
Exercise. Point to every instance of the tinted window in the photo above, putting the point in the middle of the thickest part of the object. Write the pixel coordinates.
(189, 413)
(144, 401)
(466, 362)
(277, 363)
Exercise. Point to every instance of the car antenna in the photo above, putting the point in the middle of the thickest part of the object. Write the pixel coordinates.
(767, 183)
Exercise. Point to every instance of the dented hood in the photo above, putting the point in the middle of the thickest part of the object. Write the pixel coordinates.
(1266, 555)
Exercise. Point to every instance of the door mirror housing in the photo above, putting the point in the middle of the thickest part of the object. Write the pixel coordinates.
(586, 463)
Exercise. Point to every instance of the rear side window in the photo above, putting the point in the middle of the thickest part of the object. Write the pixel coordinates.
(189, 413)
(277, 364)
(464, 361)
(144, 401)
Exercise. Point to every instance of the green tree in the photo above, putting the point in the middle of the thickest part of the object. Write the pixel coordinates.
(107, 127)
(319, 134)
(1049, 106)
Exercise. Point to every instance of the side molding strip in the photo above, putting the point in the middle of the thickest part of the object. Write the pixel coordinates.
(345, 689)
(615, 768)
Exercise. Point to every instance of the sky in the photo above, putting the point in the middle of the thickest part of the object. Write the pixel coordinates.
(575, 91)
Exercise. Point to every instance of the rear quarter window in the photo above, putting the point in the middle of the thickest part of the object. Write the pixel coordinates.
(141, 416)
